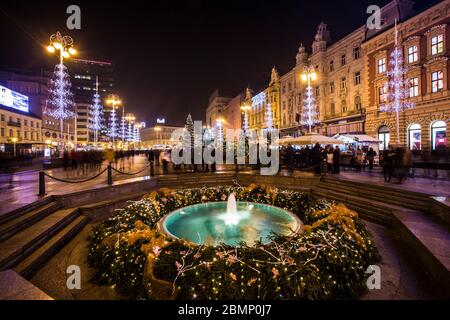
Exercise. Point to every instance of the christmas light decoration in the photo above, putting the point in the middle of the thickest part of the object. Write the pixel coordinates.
(60, 103)
(327, 261)
(309, 113)
(398, 93)
(96, 114)
(112, 130)
(269, 117)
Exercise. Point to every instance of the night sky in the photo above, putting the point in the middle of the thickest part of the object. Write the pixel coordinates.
(171, 55)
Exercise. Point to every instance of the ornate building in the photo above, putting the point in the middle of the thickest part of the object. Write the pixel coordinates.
(425, 42)
(262, 101)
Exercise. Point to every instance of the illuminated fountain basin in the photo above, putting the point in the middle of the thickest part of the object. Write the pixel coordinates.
(229, 222)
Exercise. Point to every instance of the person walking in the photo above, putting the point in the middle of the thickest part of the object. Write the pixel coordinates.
(359, 159)
(157, 154)
(371, 154)
(388, 163)
(336, 160)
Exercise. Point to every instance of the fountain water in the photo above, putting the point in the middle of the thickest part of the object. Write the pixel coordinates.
(229, 222)
(232, 217)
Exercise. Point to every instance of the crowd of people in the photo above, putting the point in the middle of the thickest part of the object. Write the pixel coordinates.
(396, 162)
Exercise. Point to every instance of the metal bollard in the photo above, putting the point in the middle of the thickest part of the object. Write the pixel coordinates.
(110, 180)
(41, 183)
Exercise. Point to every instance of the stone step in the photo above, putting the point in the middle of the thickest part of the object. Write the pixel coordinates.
(24, 209)
(366, 210)
(27, 267)
(377, 195)
(23, 243)
(378, 188)
(428, 240)
(23, 221)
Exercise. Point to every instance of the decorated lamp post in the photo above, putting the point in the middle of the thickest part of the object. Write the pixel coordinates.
(96, 114)
(60, 101)
(245, 125)
(115, 102)
(398, 94)
(130, 118)
(219, 134)
(309, 113)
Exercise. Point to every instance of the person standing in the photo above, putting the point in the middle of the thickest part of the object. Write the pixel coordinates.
(388, 163)
(371, 154)
(330, 156)
(157, 154)
(336, 160)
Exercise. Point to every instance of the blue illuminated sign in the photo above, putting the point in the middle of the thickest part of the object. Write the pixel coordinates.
(13, 99)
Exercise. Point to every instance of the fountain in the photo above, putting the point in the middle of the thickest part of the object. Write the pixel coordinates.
(231, 222)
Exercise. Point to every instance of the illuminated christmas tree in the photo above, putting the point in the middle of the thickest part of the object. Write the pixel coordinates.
(96, 114)
(60, 103)
(398, 93)
(112, 130)
(309, 116)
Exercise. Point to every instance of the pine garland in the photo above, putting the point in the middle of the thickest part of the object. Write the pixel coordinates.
(328, 261)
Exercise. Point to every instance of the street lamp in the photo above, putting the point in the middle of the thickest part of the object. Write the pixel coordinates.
(114, 100)
(245, 108)
(63, 44)
(14, 140)
(309, 74)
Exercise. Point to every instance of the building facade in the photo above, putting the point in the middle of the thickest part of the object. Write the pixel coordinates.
(85, 76)
(20, 131)
(214, 111)
(159, 134)
(425, 42)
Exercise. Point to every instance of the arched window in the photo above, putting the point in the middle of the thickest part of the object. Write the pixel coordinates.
(343, 106)
(438, 135)
(415, 137)
(384, 136)
(358, 103)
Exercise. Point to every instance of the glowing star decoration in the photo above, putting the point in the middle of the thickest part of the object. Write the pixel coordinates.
(310, 116)
(96, 114)
(398, 93)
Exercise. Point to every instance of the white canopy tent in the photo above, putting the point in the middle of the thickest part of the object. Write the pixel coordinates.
(309, 139)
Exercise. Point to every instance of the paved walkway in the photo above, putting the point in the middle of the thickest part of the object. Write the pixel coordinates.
(20, 189)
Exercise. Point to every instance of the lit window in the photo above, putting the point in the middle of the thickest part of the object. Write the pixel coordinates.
(439, 135)
(412, 54)
(414, 87)
(356, 53)
(437, 44)
(357, 78)
(382, 92)
(437, 81)
(384, 136)
(415, 137)
(382, 65)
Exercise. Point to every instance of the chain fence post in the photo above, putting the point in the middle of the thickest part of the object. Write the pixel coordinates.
(110, 180)
(41, 183)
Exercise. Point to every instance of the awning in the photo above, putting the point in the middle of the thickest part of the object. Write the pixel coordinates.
(311, 138)
(356, 138)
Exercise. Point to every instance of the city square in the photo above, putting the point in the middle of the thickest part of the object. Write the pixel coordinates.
(315, 166)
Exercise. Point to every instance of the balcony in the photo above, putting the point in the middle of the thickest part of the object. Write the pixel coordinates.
(14, 124)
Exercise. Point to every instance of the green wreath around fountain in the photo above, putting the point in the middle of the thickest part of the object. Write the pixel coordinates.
(327, 258)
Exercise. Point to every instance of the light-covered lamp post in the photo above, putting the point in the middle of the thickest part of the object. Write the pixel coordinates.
(245, 125)
(309, 114)
(61, 97)
(115, 102)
